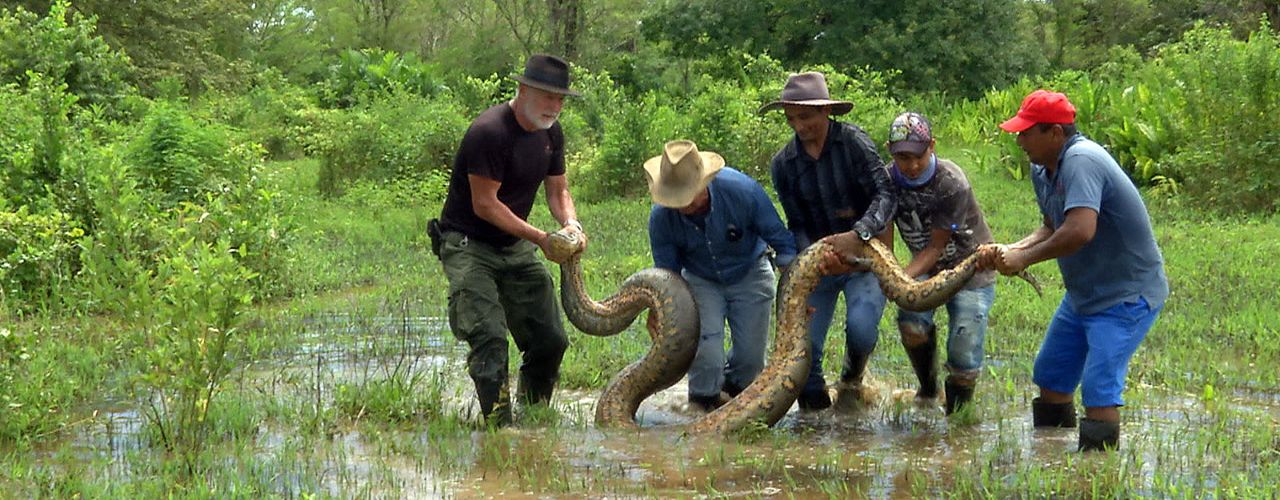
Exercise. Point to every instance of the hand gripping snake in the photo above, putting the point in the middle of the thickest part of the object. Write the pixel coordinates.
(674, 329)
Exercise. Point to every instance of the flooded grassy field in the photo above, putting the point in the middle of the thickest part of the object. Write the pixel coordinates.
(379, 406)
(360, 391)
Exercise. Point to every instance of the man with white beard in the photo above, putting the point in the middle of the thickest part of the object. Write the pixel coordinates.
(488, 248)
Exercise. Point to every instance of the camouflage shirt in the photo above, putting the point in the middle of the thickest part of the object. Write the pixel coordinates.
(945, 202)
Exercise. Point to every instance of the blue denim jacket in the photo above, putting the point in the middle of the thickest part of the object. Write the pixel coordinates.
(742, 221)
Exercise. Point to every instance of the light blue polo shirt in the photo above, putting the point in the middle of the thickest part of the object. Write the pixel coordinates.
(1122, 262)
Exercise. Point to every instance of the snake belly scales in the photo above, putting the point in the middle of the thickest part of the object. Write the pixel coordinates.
(674, 329)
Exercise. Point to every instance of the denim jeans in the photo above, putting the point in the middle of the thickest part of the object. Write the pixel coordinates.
(967, 315)
(864, 303)
(747, 306)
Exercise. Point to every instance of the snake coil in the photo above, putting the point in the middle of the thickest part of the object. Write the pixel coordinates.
(673, 329)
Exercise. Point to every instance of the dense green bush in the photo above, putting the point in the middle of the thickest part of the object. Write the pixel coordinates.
(20, 128)
(633, 132)
(37, 256)
(64, 47)
(400, 136)
(1227, 94)
(474, 95)
(718, 115)
(178, 179)
(1198, 119)
(370, 73)
(271, 112)
(182, 159)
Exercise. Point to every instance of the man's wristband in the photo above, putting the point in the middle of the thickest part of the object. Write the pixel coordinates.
(574, 222)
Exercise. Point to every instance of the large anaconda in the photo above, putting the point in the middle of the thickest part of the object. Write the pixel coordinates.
(674, 329)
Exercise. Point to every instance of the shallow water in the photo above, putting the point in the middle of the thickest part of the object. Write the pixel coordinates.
(893, 448)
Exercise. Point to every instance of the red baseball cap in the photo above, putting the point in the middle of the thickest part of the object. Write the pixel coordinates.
(1041, 106)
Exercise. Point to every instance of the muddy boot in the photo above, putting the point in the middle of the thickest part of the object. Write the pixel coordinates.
(1053, 414)
(849, 392)
(535, 391)
(958, 393)
(1099, 435)
(922, 356)
(495, 403)
(706, 404)
(732, 389)
(815, 400)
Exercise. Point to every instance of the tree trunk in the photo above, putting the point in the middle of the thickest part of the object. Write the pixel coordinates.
(565, 24)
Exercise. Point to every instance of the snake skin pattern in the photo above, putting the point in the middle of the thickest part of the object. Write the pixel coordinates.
(674, 330)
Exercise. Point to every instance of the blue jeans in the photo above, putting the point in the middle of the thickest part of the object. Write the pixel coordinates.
(747, 306)
(1096, 347)
(967, 313)
(864, 303)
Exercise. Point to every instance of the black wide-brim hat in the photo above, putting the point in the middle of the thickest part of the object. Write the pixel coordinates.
(549, 73)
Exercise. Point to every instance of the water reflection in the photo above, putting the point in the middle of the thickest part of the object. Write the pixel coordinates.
(892, 448)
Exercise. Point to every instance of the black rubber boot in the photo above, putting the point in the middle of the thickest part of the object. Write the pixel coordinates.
(922, 361)
(1099, 435)
(536, 391)
(958, 394)
(815, 400)
(849, 393)
(732, 389)
(495, 403)
(1053, 414)
(705, 404)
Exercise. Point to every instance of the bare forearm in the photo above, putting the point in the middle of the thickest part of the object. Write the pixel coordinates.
(1058, 244)
(562, 207)
(923, 261)
(503, 218)
(1041, 234)
(559, 200)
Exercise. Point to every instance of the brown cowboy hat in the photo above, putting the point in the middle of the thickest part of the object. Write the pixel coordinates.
(808, 89)
(549, 73)
(681, 172)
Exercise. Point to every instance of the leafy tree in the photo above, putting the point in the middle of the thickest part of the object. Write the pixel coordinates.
(199, 43)
(282, 35)
(961, 47)
(566, 23)
(64, 47)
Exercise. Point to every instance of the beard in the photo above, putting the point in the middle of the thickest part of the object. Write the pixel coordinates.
(539, 121)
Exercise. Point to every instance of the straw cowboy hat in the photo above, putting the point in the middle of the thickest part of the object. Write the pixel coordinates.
(808, 89)
(681, 172)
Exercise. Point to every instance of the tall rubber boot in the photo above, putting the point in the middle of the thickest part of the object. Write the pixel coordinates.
(732, 389)
(923, 358)
(535, 391)
(495, 403)
(958, 393)
(1053, 414)
(849, 392)
(1099, 435)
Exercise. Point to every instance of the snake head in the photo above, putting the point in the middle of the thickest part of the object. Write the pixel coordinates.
(565, 243)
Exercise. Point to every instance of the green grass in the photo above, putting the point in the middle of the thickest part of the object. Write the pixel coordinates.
(328, 402)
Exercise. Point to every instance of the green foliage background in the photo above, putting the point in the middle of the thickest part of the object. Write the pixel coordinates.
(167, 166)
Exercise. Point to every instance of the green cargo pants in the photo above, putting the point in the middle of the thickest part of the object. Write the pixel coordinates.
(493, 290)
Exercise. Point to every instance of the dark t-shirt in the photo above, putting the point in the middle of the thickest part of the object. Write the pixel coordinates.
(945, 202)
(497, 147)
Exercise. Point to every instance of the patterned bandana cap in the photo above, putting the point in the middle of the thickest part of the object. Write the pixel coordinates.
(910, 133)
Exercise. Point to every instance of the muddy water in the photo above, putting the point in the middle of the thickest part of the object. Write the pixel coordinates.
(893, 448)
